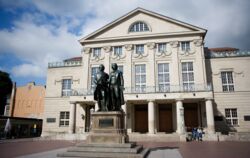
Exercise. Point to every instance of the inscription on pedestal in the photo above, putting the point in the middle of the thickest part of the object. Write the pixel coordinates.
(103, 123)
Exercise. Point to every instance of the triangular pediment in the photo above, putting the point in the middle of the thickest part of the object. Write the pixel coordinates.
(158, 24)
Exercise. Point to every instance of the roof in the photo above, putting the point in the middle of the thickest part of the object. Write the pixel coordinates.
(223, 49)
(73, 59)
(137, 10)
(225, 52)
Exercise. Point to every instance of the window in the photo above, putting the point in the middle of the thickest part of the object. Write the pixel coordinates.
(94, 71)
(187, 76)
(66, 87)
(227, 81)
(138, 27)
(185, 46)
(51, 120)
(64, 118)
(118, 50)
(163, 77)
(231, 117)
(96, 52)
(140, 78)
(162, 47)
(139, 49)
(120, 68)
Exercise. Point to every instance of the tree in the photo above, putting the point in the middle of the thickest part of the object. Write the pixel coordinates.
(5, 89)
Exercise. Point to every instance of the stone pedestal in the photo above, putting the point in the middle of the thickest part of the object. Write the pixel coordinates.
(108, 139)
(108, 127)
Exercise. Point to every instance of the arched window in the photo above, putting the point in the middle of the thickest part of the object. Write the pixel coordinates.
(138, 27)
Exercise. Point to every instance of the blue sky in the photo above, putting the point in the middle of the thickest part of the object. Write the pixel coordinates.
(35, 32)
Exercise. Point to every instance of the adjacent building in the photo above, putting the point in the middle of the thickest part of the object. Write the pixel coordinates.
(172, 83)
(27, 101)
(24, 110)
(228, 71)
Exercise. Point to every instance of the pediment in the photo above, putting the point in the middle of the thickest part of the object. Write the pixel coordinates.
(158, 24)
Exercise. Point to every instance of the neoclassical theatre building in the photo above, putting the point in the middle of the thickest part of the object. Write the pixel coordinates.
(172, 82)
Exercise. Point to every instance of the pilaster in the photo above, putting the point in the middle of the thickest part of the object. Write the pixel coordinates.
(175, 75)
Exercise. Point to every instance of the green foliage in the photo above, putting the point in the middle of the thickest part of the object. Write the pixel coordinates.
(5, 89)
(5, 84)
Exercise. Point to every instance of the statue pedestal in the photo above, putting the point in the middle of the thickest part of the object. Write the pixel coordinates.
(107, 139)
(108, 127)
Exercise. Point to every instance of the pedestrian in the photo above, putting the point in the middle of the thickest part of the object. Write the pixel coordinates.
(7, 129)
(34, 130)
(199, 133)
(194, 133)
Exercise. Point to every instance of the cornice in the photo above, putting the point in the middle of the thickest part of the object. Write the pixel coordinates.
(145, 36)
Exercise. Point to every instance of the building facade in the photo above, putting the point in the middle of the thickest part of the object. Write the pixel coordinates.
(171, 83)
(228, 71)
(27, 101)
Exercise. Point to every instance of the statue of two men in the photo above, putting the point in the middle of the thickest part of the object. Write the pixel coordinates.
(109, 89)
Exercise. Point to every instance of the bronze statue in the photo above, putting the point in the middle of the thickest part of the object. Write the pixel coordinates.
(116, 87)
(101, 93)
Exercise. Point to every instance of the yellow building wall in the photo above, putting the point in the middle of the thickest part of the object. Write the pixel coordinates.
(29, 101)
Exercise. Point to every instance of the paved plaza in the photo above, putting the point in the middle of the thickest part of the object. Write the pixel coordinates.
(49, 148)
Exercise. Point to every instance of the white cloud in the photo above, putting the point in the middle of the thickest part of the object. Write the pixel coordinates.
(39, 44)
(36, 39)
(227, 21)
(25, 70)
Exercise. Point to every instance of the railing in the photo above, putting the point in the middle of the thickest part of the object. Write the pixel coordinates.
(212, 54)
(82, 92)
(64, 64)
(152, 89)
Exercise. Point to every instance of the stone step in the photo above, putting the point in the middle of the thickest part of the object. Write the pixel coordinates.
(142, 154)
(105, 149)
(154, 137)
(126, 145)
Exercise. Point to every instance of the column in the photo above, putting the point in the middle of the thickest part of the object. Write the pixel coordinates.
(124, 108)
(85, 61)
(157, 121)
(130, 117)
(128, 68)
(96, 106)
(180, 117)
(79, 121)
(175, 75)
(150, 67)
(210, 116)
(87, 118)
(72, 118)
(107, 51)
(151, 117)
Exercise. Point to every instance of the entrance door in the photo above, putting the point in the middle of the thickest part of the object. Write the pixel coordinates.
(141, 118)
(165, 118)
(191, 115)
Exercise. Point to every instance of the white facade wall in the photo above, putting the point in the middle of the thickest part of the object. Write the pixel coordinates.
(239, 98)
(156, 26)
(162, 30)
(56, 103)
(150, 60)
